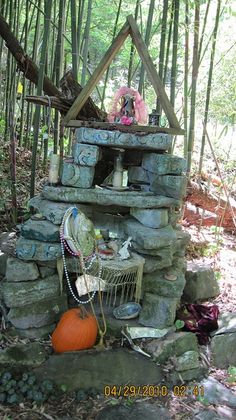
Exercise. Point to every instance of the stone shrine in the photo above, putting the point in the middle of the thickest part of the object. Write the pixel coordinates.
(147, 210)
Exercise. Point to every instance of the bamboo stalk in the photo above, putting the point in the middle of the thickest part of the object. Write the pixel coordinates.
(48, 9)
(174, 52)
(208, 93)
(195, 67)
(86, 42)
(162, 46)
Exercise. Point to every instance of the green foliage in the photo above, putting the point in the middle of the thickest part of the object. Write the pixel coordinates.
(232, 374)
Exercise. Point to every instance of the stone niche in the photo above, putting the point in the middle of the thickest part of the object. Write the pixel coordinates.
(148, 211)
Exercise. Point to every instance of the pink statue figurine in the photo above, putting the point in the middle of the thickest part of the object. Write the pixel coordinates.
(128, 107)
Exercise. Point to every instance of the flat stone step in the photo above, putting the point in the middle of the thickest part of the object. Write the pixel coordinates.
(93, 369)
(156, 141)
(109, 197)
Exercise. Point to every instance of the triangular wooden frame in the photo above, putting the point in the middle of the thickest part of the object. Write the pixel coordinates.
(129, 28)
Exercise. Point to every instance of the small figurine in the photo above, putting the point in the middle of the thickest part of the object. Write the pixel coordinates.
(128, 107)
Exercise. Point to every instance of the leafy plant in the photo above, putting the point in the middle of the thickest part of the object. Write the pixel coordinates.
(232, 374)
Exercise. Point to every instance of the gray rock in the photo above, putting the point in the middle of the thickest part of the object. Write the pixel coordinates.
(162, 259)
(24, 293)
(148, 238)
(217, 394)
(200, 282)
(77, 176)
(54, 211)
(108, 197)
(182, 240)
(158, 311)
(174, 216)
(27, 249)
(226, 323)
(38, 314)
(137, 175)
(46, 271)
(18, 270)
(188, 360)
(163, 164)
(85, 154)
(157, 141)
(3, 263)
(223, 350)
(174, 344)
(137, 411)
(153, 218)
(178, 378)
(36, 333)
(167, 282)
(170, 185)
(41, 230)
(23, 355)
(86, 369)
(211, 414)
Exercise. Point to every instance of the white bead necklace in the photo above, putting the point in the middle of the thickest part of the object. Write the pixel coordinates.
(90, 259)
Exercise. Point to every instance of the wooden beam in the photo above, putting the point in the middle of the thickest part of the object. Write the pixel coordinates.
(24, 62)
(152, 73)
(144, 129)
(99, 71)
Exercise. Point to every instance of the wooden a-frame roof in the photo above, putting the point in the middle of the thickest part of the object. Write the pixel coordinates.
(129, 28)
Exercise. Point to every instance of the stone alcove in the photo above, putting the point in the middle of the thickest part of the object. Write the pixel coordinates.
(148, 212)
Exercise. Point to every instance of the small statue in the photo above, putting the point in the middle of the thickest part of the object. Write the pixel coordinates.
(128, 107)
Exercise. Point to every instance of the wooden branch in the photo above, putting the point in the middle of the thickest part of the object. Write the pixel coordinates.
(99, 71)
(25, 64)
(152, 73)
(52, 101)
(144, 129)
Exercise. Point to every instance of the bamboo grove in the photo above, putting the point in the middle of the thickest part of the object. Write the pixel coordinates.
(183, 40)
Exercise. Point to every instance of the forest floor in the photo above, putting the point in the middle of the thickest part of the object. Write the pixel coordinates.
(217, 249)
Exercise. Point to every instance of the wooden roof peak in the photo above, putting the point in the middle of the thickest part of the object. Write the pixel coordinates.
(129, 28)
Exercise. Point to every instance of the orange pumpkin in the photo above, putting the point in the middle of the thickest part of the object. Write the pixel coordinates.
(76, 330)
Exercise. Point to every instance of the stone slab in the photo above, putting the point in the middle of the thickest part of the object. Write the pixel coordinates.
(109, 197)
(36, 333)
(85, 154)
(174, 344)
(157, 141)
(38, 314)
(153, 218)
(156, 283)
(158, 311)
(163, 164)
(200, 282)
(46, 271)
(170, 185)
(18, 270)
(223, 350)
(216, 393)
(226, 323)
(41, 230)
(77, 176)
(23, 355)
(54, 211)
(135, 411)
(28, 249)
(137, 175)
(3, 263)
(25, 293)
(163, 259)
(187, 360)
(93, 369)
(148, 238)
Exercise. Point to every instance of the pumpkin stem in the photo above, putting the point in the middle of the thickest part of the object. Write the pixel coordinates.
(83, 312)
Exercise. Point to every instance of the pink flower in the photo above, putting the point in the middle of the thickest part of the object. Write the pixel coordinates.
(126, 120)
